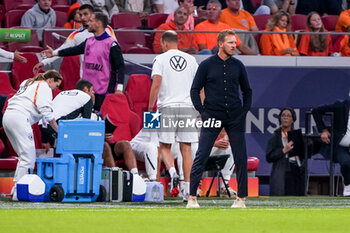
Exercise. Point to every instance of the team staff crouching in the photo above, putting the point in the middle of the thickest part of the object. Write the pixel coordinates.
(221, 75)
(69, 105)
(32, 102)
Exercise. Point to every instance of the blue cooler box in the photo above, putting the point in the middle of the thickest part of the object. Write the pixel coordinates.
(76, 175)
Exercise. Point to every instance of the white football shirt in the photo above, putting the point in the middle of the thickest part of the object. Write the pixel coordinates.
(177, 70)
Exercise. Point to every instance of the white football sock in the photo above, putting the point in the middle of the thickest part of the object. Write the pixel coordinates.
(172, 172)
(134, 171)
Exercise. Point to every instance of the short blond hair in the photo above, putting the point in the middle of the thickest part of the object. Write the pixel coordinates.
(169, 36)
(223, 34)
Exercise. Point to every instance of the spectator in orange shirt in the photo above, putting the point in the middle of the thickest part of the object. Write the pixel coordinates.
(208, 41)
(188, 4)
(315, 45)
(278, 44)
(342, 45)
(343, 21)
(237, 18)
(345, 46)
(74, 21)
(186, 41)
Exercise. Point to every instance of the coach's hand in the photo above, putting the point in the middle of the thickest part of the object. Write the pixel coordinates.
(325, 136)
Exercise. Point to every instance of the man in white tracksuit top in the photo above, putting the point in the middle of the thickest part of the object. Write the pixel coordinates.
(75, 38)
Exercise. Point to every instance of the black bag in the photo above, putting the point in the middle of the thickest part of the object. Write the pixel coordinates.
(112, 180)
(127, 185)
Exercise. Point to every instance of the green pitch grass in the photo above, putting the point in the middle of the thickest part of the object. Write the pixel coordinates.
(287, 214)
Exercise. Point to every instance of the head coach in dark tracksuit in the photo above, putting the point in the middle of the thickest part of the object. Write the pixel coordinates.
(221, 76)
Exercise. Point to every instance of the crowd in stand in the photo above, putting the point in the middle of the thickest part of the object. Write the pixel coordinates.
(209, 15)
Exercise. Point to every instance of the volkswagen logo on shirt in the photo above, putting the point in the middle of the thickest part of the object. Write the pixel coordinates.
(178, 63)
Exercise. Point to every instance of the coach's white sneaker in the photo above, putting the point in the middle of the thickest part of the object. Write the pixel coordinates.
(14, 193)
(346, 192)
(192, 202)
(238, 203)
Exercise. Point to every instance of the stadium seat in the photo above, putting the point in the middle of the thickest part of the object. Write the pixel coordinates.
(137, 92)
(253, 164)
(261, 21)
(117, 108)
(55, 36)
(135, 124)
(3, 45)
(299, 22)
(153, 21)
(60, 2)
(23, 71)
(18, 4)
(5, 85)
(61, 18)
(2, 13)
(122, 20)
(132, 42)
(13, 18)
(70, 71)
(329, 21)
(61, 8)
(9, 163)
(156, 19)
(256, 3)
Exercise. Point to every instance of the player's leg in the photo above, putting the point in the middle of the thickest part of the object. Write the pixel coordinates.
(147, 153)
(107, 155)
(124, 148)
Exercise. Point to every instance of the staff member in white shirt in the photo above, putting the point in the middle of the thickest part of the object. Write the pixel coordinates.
(32, 102)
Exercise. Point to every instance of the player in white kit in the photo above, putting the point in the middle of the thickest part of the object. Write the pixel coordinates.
(172, 73)
(145, 147)
(32, 102)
